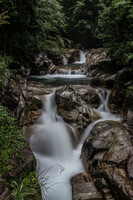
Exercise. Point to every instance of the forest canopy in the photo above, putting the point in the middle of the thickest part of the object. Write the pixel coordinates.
(30, 27)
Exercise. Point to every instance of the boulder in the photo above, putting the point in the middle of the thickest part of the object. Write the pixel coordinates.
(73, 55)
(104, 82)
(94, 56)
(83, 188)
(118, 94)
(71, 97)
(106, 153)
(42, 64)
(75, 105)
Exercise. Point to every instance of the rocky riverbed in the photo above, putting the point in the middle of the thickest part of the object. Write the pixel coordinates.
(107, 152)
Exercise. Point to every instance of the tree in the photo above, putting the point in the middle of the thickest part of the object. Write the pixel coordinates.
(33, 26)
(82, 21)
(116, 29)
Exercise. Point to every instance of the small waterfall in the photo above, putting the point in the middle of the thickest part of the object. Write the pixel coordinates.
(57, 160)
(104, 98)
(82, 58)
(103, 111)
(69, 71)
(64, 61)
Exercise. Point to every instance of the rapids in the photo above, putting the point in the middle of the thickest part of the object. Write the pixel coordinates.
(57, 160)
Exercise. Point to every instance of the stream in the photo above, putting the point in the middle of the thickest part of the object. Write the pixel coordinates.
(57, 160)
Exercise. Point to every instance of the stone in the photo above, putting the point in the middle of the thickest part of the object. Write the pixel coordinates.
(107, 153)
(70, 97)
(4, 194)
(96, 55)
(73, 56)
(103, 82)
(118, 93)
(75, 105)
(83, 188)
(42, 64)
(130, 165)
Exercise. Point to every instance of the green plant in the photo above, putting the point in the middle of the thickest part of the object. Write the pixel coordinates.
(115, 24)
(20, 192)
(129, 93)
(11, 141)
(26, 187)
(4, 63)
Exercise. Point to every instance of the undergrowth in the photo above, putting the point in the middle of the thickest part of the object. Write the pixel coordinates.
(11, 141)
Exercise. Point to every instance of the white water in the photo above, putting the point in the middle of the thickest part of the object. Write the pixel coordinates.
(103, 111)
(51, 144)
(69, 72)
(67, 76)
(57, 160)
(82, 58)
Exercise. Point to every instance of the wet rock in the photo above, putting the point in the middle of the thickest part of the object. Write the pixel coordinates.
(83, 188)
(74, 105)
(130, 165)
(69, 116)
(70, 97)
(103, 82)
(122, 187)
(86, 115)
(105, 154)
(96, 55)
(73, 55)
(4, 194)
(26, 162)
(103, 187)
(118, 94)
(128, 118)
(42, 64)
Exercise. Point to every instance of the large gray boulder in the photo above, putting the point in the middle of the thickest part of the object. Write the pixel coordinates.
(75, 104)
(106, 153)
(83, 188)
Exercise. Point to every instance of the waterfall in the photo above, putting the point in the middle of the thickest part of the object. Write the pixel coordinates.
(57, 160)
(103, 111)
(69, 72)
(82, 58)
(52, 147)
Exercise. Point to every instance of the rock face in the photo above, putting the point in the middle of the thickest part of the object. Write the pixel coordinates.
(24, 99)
(107, 155)
(104, 82)
(118, 94)
(75, 105)
(73, 55)
(42, 64)
(83, 188)
(96, 55)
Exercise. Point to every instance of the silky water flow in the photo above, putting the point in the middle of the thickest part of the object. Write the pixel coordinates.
(57, 160)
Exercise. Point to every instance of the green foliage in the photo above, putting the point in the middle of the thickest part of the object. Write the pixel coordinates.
(82, 21)
(34, 26)
(4, 63)
(27, 187)
(129, 93)
(3, 14)
(116, 29)
(11, 141)
(52, 23)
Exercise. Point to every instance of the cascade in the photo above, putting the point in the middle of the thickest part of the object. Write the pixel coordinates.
(57, 159)
(52, 147)
(82, 58)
